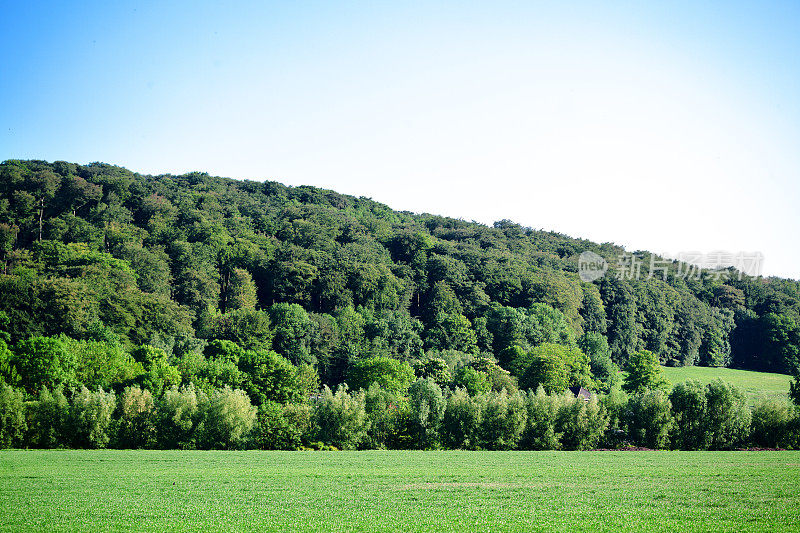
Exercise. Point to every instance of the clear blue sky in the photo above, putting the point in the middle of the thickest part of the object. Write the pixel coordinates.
(668, 126)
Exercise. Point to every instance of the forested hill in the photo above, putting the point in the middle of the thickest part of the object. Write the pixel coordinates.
(97, 252)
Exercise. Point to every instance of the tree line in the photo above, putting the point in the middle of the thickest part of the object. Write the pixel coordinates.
(424, 416)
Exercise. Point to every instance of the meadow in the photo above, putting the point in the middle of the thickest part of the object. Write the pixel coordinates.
(755, 384)
(71, 490)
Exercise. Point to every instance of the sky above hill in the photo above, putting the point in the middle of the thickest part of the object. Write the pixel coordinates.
(667, 126)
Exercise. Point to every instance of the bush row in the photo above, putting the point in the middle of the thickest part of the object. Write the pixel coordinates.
(691, 416)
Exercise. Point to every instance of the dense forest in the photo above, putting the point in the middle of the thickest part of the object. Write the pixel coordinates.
(258, 292)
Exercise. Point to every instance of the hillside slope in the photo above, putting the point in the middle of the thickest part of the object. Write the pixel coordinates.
(93, 251)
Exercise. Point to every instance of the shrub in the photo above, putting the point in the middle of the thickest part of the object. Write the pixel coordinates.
(498, 377)
(43, 361)
(502, 420)
(101, 363)
(341, 419)
(615, 404)
(545, 365)
(794, 388)
(542, 413)
(91, 418)
(434, 368)
(643, 373)
(247, 328)
(270, 377)
(460, 421)
(649, 419)
(12, 417)
(160, 376)
(300, 418)
(427, 409)
(228, 420)
(690, 430)
(728, 416)
(224, 350)
(388, 413)
(179, 412)
(137, 418)
(769, 423)
(604, 370)
(48, 420)
(580, 423)
(273, 430)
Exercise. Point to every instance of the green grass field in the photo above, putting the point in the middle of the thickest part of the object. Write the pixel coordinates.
(755, 384)
(399, 491)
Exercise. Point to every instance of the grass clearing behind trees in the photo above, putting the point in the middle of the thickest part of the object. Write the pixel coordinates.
(754, 384)
(68, 490)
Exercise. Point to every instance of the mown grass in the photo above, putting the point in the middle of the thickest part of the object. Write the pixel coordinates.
(755, 384)
(399, 491)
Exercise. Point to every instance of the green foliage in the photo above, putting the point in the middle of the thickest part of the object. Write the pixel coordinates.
(781, 352)
(427, 409)
(179, 413)
(770, 422)
(545, 324)
(499, 378)
(434, 368)
(615, 405)
(623, 330)
(12, 417)
(390, 374)
(43, 362)
(270, 377)
(604, 371)
(461, 420)
(160, 375)
(8, 372)
(715, 349)
(49, 420)
(580, 423)
(502, 420)
(649, 419)
(728, 417)
(292, 329)
(136, 426)
(240, 292)
(307, 380)
(690, 410)
(545, 365)
(228, 419)
(794, 389)
(101, 363)
(643, 373)
(248, 328)
(274, 430)
(152, 257)
(106, 274)
(554, 366)
(388, 415)
(90, 418)
(224, 350)
(473, 381)
(447, 327)
(340, 418)
(542, 431)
